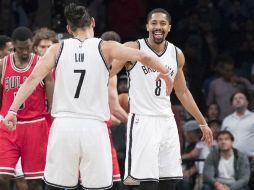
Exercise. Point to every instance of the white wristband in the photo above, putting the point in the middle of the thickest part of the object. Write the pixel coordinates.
(203, 125)
(12, 112)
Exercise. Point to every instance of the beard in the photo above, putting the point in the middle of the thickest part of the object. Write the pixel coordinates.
(158, 40)
(24, 57)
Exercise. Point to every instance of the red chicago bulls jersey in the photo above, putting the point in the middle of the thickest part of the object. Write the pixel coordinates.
(12, 77)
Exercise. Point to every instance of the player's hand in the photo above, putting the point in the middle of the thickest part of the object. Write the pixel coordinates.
(207, 134)
(10, 121)
(169, 82)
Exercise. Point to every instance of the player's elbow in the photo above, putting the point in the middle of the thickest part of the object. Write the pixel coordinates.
(115, 109)
(181, 92)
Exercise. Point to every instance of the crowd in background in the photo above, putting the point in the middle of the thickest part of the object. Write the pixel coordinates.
(217, 38)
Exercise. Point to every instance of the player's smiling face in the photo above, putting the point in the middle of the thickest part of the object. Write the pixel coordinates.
(158, 27)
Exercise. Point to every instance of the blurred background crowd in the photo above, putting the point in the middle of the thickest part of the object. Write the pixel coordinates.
(217, 38)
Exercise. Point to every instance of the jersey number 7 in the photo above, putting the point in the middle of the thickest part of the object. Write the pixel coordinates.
(80, 82)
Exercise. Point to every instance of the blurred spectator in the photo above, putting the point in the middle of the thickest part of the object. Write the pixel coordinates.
(129, 26)
(6, 46)
(24, 11)
(226, 168)
(208, 13)
(224, 87)
(245, 54)
(43, 38)
(214, 74)
(178, 111)
(200, 152)
(122, 85)
(241, 124)
(192, 136)
(213, 112)
(215, 126)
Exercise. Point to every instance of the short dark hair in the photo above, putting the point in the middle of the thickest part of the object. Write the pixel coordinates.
(225, 132)
(158, 10)
(218, 107)
(77, 16)
(246, 94)
(3, 40)
(111, 35)
(21, 34)
(214, 121)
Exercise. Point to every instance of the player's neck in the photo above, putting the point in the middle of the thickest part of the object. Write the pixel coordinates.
(83, 34)
(21, 63)
(156, 47)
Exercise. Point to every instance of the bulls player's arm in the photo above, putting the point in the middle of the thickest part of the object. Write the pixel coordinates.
(118, 65)
(44, 67)
(115, 108)
(185, 97)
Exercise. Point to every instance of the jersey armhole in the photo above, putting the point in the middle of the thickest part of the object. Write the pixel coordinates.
(177, 63)
(130, 64)
(4, 68)
(59, 53)
(108, 66)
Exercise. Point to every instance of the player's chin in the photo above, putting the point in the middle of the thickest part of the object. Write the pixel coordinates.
(158, 40)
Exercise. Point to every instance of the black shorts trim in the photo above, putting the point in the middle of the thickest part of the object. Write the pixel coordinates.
(130, 145)
(170, 178)
(141, 179)
(99, 188)
(59, 186)
(152, 179)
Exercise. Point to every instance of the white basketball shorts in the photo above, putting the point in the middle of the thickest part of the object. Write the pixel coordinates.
(78, 149)
(153, 149)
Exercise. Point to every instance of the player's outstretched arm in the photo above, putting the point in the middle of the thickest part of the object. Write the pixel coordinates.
(116, 64)
(185, 97)
(42, 68)
(124, 54)
(113, 50)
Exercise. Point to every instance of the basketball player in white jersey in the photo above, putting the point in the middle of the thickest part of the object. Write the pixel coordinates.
(153, 149)
(78, 140)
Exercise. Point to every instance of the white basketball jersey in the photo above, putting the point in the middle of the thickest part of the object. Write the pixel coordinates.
(81, 85)
(147, 96)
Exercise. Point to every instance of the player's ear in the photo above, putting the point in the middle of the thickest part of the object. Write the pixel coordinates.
(147, 27)
(68, 28)
(92, 22)
(169, 28)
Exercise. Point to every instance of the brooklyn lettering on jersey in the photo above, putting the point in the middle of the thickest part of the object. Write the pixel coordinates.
(148, 70)
(13, 82)
(79, 57)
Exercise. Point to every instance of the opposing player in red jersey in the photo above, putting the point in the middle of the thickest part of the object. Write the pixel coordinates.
(6, 47)
(29, 140)
(117, 112)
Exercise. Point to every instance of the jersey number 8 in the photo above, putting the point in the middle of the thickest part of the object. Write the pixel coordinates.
(158, 88)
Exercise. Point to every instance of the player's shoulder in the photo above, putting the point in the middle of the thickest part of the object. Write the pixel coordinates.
(180, 57)
(133, 44)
